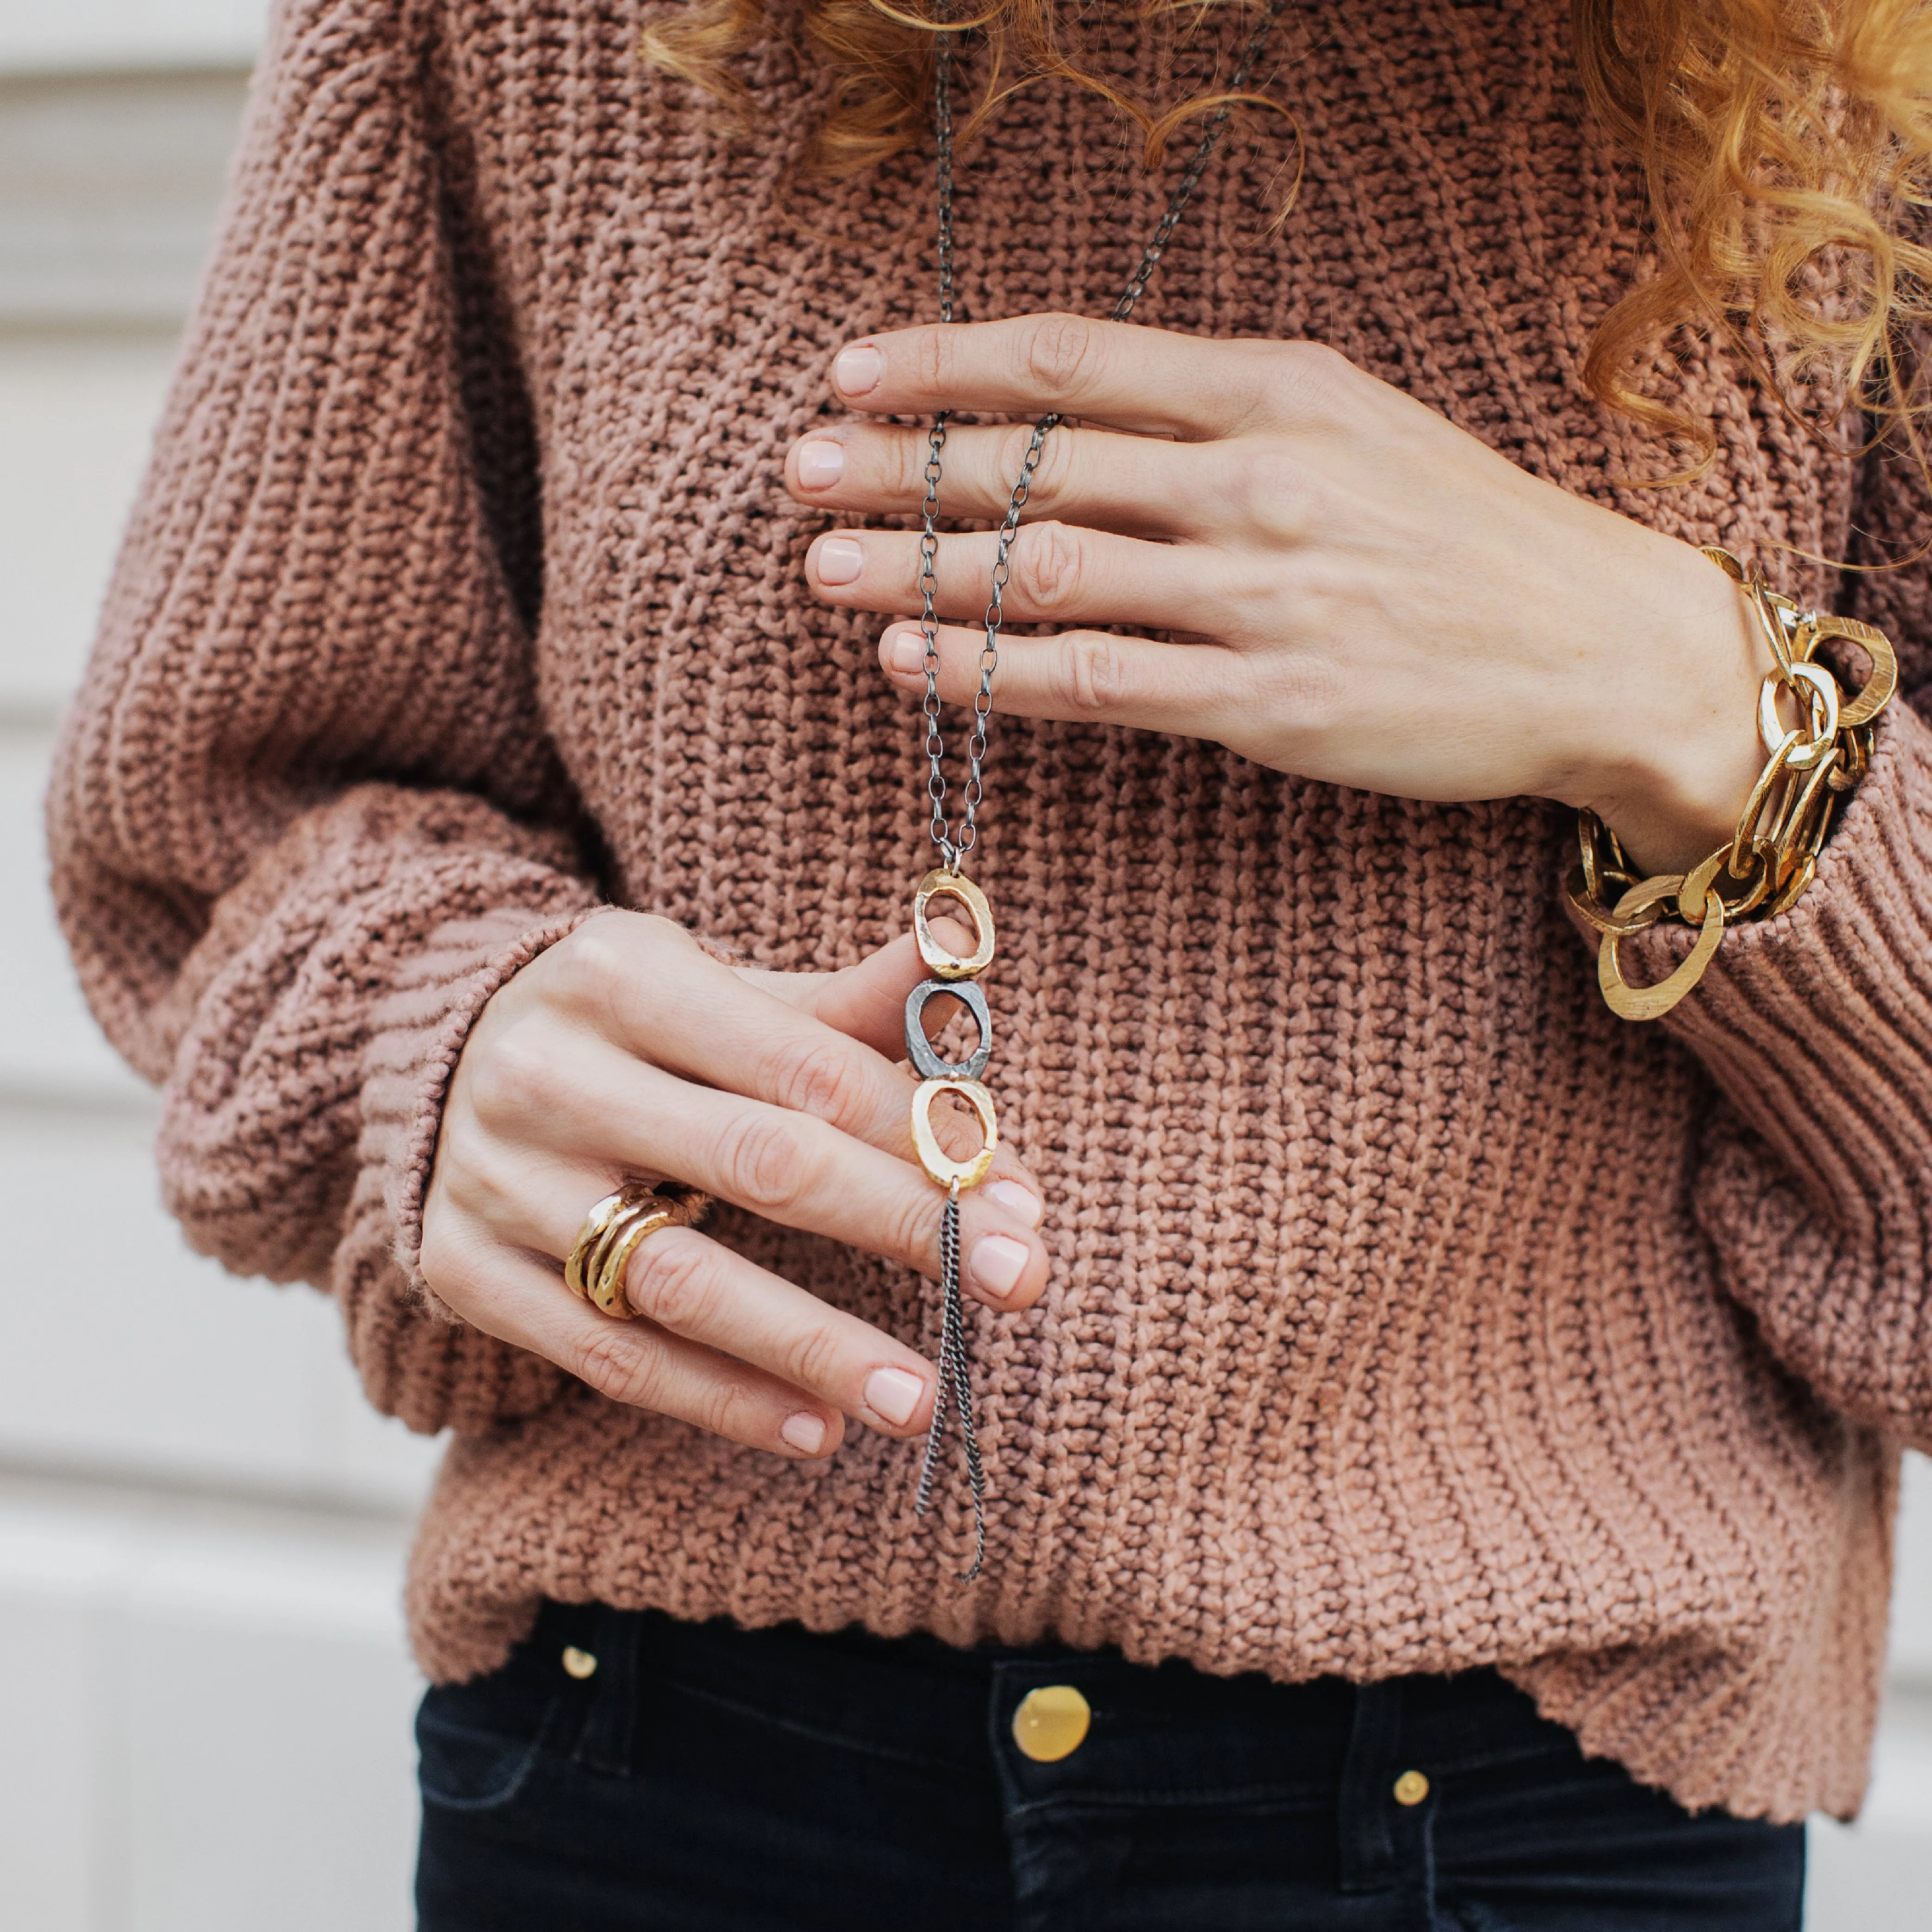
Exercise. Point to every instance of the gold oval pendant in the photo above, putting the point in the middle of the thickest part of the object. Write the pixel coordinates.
(941, 884)
(932, 1157)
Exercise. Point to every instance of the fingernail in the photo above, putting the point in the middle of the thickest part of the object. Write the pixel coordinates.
(858, 369)
(905, 651)
(820, 465)
(804, 1432)
(893, 1393)
(997, 1263)
(840, 560)
(1016, 1200)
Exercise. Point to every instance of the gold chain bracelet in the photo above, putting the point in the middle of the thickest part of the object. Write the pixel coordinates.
(1765, 868)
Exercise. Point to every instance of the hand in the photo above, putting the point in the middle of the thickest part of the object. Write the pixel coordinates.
(1371, 596)
(627, 1052)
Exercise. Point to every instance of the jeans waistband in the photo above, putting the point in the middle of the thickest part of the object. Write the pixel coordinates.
(917, 1700)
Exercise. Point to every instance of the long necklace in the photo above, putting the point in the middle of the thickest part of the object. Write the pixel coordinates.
(956, 973)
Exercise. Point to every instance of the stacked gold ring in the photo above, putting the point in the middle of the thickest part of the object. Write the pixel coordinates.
(614, 1230)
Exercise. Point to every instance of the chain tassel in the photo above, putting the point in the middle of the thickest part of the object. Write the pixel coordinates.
(954, 1382)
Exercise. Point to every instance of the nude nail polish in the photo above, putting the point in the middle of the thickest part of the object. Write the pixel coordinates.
(804, 1432)
(858, 369)
(839, 560)
(893, 1394)
(1016, 1200)
(820, 465)
(997, 1263)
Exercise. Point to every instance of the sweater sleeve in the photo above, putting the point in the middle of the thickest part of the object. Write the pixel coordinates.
(1816, 1185)
(304, 814)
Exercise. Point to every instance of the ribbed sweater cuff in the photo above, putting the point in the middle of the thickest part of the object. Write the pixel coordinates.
(1818, 1024)
(418, 1034)
(1815, 1184)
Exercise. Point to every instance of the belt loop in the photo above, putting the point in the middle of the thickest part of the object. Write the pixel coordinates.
(1367, 1852)
(610, 1728)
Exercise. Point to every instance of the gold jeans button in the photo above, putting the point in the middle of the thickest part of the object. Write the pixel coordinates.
(1051, 1722)
(1411, 1788)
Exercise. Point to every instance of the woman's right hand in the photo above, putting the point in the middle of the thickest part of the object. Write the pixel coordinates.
(626, 1052)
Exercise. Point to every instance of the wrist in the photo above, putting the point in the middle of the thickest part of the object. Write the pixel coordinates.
(1681, 745)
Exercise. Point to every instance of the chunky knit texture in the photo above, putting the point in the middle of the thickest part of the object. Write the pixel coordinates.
(1409, 1312)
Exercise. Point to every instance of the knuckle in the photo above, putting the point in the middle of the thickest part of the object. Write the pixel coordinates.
(813, 1359)
(911, 1233)
(583, 968)
(1312, 379)
(731, 1408)
(935, 359)
(470, 1175)
(674, 1279)
(620, 1363)
(1271, 487)
(763, 1164)
(1053, 471)
(1047, 560)
(516, 1077)
(1011, 451)
(1060, 351)
(597, 964)
(1306, 688)
(1091, 673)
(1051, 468)
(905, 463)
(445, 1258)
(816, 1075)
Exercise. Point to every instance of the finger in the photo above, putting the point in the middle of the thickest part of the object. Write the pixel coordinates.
(626, 1118)
(708, 1293)
(1194, 690)
(866, 1001)
(676, 1007)
(700, 1289)
(521, 1302)
(790, 1166)
(1112, 372)
(1059, 573)
(762, 1047)
(1135, 485)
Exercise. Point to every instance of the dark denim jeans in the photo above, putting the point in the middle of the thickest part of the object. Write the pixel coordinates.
(705, 1779)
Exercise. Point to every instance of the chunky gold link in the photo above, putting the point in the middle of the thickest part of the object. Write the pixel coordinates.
(1588, 907)
(1652, 1002)
(1876, 692)
(1766, 866)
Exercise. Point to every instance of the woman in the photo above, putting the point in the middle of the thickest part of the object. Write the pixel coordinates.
(1444, 1433)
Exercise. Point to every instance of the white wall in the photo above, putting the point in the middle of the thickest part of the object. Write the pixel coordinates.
(204, 1696)
(79, 36)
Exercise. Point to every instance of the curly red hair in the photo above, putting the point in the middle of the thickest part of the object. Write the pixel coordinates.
(1775, 136)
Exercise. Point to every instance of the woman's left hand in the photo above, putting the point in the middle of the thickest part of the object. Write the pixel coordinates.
(1372, 596)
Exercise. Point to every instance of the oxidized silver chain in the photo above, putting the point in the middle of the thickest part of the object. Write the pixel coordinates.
(955, 973)
(951, 848)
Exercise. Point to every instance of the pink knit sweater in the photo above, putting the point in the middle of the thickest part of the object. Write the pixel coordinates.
(1409, 1312)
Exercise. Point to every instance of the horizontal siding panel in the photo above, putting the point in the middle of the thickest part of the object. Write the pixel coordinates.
(206, 1708)
(154, 1362)
(59, 36)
